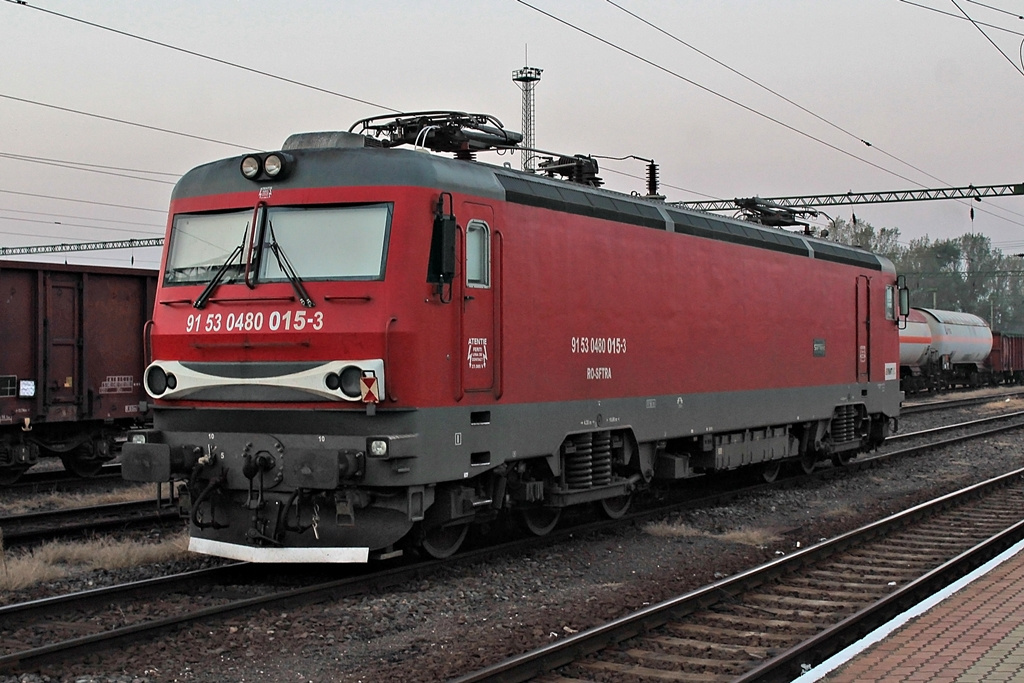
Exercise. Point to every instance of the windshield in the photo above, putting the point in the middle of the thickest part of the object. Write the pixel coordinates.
(202, 243)
(321, 243)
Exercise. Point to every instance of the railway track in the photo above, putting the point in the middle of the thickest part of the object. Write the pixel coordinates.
(914, 407)
(62, 479)
(118, 609)
(768, 623)
(36, 527)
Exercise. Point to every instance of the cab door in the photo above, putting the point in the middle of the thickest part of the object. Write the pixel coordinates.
(479, 335)
(863, 329)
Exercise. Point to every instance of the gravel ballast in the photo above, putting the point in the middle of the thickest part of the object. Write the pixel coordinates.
(467, 617)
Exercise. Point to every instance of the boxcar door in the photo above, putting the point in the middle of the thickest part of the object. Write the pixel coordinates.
(479, 331)
(62, 346)
(863, 329)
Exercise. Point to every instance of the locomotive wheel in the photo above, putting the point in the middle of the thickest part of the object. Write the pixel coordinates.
(841, 459)
(807, 463)
(10, 475)
(443, 541)
(82, 468)
(539, 521)
(615, 508)
(770, 471)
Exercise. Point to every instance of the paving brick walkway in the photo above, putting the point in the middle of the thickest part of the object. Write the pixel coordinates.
(974, 635)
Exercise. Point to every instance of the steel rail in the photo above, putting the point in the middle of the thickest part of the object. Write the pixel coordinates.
(36, 526)
(49, 654)
(928, 406)
(573, 648)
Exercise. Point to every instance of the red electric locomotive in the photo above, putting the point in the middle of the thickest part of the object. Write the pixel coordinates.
(357, 348)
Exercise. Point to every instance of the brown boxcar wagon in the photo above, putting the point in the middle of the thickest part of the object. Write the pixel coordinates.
(71, 362)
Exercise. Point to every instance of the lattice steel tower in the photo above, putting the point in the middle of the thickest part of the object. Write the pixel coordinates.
(527, 78)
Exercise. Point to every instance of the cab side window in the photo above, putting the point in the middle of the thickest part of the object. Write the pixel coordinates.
(478, 254)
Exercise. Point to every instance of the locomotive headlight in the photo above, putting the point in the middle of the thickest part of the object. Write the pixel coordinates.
(251, 166)
(138, 438)
(157, 380)
(350, 381)
(378, 448)
(277, 164)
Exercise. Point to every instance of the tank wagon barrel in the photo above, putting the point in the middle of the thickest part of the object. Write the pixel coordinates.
(944, 349)
(359, 349)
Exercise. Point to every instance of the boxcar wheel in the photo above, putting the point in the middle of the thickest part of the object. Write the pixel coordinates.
(539, 521)
(81, 467)
(443, 541)
(615, 508)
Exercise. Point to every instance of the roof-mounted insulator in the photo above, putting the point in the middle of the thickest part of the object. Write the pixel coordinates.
(579, 169)
(652, 182)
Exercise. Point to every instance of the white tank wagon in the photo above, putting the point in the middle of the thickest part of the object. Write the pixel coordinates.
(941, 349)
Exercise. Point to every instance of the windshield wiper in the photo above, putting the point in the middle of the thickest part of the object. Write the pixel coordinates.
(201, 300)
(286, 267)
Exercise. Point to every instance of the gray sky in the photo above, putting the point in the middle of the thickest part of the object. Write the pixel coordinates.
(923, 87)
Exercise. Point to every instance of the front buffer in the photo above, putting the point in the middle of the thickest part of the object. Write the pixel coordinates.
(290, 498)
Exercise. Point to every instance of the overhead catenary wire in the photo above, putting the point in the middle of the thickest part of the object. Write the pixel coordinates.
(740, 104)
(960, 17)
(799, 106)
(88, 168)
(715, 93)
(996, 9)
(200, 55)
(83, 201)
(72, 225)
(124, 121)
(989, 39)
(78, 218)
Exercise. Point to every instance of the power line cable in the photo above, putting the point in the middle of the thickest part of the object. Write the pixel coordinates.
(957, 16)
(83, 201)
(996, 9)
(717, 94)
(84, 163)
(737, 103)
(75, 166)
(203, 56)
(80, 218)
(1006, 56)
(124, 121)
(774, 92)
(68, 225)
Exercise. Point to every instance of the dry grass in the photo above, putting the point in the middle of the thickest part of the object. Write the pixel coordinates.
(841, 512)
(56, 560)
(675, 529)
(1002, 405)
(746, 536)
(59, 500)
(759, 538)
